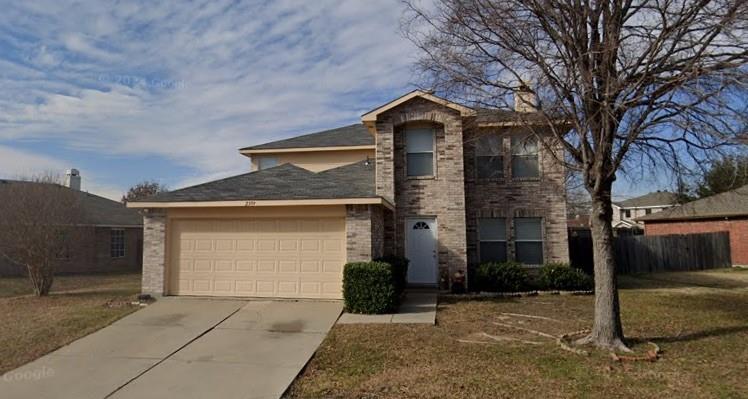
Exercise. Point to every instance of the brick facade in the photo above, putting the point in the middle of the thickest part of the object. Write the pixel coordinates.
(154, 252)
(510, 198)
(92, 254)
(442, 196)
(364, 230)
(738, 229)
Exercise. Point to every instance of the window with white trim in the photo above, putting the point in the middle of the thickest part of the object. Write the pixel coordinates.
(419, 147)
(489, 159)
(525, 157)
(266, 162)
(492, 240)
(117, 243)
(528, 240)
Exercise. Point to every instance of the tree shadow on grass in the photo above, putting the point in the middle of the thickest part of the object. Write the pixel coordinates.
(694, 336)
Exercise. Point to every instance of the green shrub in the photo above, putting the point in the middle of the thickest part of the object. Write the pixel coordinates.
(368, 288)
(399, 270)
(561, 276)
(501, 277)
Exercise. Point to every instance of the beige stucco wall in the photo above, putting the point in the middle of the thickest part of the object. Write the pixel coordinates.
(316, 161)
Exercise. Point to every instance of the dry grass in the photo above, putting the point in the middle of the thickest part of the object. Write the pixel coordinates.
(79, 305)
(702, 329)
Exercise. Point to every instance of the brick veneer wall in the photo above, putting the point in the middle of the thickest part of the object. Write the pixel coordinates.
(738, 229)
(364, 229)
(442, 197)
(508, 198)
(92, 254)
(154, 252)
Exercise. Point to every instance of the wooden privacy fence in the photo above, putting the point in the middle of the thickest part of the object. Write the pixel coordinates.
(647, 254)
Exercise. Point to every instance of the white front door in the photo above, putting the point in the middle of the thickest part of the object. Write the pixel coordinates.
(420, 249)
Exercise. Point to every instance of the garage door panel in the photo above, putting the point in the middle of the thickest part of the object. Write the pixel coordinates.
(296, 258)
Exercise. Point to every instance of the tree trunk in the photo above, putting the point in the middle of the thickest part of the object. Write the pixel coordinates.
(607, 330)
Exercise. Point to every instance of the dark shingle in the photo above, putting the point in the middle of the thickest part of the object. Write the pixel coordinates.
(728, 204)
(353, 135)
(284, 182)
(650, 199)
(490, 115)
(98, 211)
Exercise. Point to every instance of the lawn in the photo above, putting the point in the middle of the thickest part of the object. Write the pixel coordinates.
(699, 320)
(78, 305)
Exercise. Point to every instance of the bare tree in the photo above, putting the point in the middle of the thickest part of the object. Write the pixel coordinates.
(39, 226)
(144, 189)
(657, 84)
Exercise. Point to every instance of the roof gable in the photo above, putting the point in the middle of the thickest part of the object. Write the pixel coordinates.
(371, 116)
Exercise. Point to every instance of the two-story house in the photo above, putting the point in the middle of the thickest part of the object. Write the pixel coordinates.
(445, 185)
(625, 212)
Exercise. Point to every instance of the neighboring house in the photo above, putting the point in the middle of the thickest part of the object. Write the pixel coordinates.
(626, 212)
(579, 226)
(445, 185)
(112, 236)
(726, 211)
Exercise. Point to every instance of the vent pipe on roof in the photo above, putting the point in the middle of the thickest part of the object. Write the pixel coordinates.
(73, 179)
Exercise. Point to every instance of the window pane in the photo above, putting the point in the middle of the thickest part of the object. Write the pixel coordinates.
(530, 253)
(488, 145)
(421, 164)
(267, 162)
(525, 166)
(524, 145)
(492, 229)
(528, 229)
(419, 140)
(490, 167)
(493, 251)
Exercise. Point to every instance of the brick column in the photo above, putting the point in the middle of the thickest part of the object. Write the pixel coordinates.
(154, 252)
(358, 233)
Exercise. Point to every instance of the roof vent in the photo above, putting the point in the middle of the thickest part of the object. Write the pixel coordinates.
(73, 179)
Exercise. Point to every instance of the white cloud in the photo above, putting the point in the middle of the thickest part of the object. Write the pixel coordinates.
(194, 82)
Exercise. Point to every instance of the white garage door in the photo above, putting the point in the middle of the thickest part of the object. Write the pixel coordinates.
(285, 258)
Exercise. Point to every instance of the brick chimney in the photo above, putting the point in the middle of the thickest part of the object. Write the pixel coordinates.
(525, 99)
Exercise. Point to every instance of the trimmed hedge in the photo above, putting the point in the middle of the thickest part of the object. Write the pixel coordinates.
(501, 277)
(368, 287)
(399, 270)
(561, 276)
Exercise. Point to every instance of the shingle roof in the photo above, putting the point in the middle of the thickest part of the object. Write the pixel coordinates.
(352, 135)
(98, 211)
(283, 182)
(652, 199)
(491, 115)
(728, 204)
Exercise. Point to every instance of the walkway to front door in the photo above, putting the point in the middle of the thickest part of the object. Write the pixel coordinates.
(184, 348)
(420, 248)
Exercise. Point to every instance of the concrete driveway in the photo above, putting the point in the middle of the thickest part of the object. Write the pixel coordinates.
(184, 348)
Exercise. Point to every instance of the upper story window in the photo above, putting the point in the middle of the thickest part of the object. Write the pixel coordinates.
(528, 240)
(492, 239)
(489, 159)
(419, 146)
(525, 157)
(627, 213)
(266, 162)
(117, 243)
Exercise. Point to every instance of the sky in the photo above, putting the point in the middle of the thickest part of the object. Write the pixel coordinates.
(127, 91)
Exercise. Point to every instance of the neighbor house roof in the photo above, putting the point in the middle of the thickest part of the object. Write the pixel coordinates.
(97, 211)
(346, 136)
(728, 204)
(283, 182)
(652, 199)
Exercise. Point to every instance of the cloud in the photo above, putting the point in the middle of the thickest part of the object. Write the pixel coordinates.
(192, 82)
